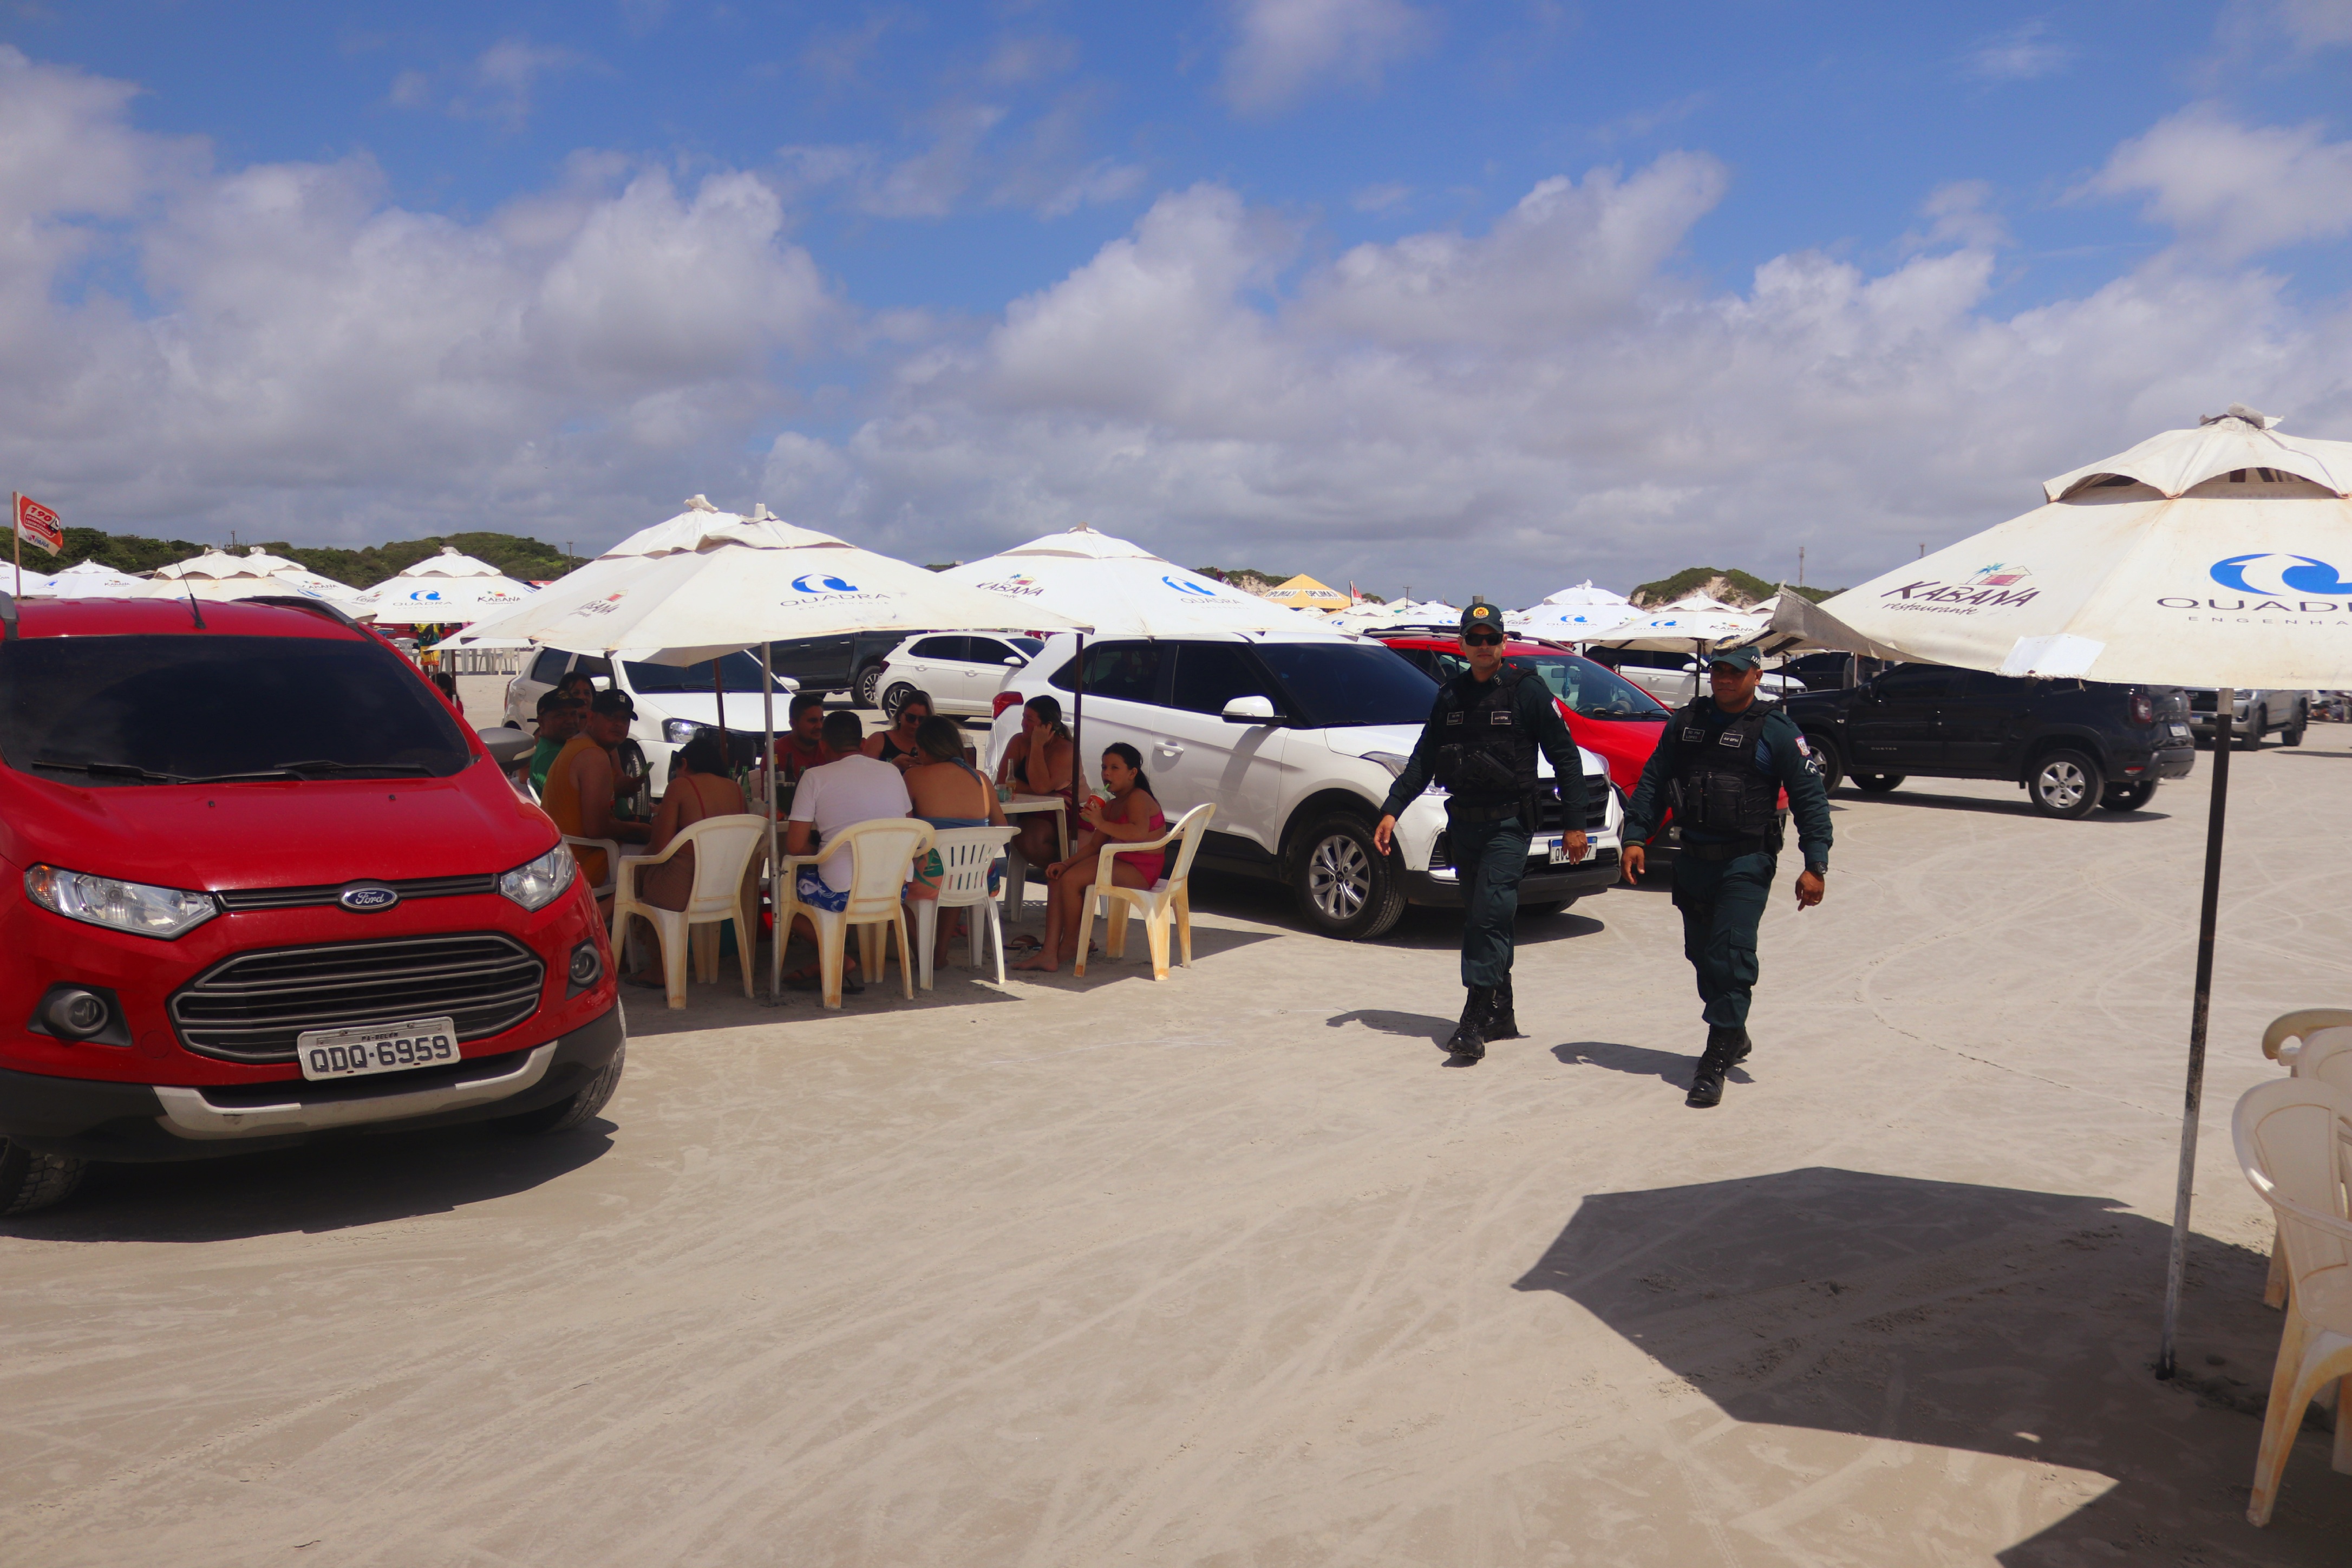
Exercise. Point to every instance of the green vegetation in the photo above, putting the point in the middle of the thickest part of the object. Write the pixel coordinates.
(526, 560)
(1248, 579)
(1731, 584)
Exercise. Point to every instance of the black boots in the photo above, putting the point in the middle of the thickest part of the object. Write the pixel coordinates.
(1725, 1049)
(1501, 1024)
(1468, 1040)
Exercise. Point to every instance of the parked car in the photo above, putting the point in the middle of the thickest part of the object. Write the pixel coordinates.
(2253, 715)
(264, 887)
(851, 663)
(672, 700)
(1295, 740)
(1830, 671)
(2073, 746)
(1674, 679)
(962, 671)
(1607, 713)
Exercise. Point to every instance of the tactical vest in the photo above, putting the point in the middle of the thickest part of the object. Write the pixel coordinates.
(1488, 758)
(1717, 787)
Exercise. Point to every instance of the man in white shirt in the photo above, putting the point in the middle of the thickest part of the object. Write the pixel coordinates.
(857, 788)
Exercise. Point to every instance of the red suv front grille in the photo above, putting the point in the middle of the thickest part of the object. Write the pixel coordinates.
(251, 1007)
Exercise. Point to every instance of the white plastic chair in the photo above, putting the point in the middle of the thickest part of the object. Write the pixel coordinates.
(2293, 1140)
(2302, 1039)
(724, 849)
(1169, 898)
(965, 856)
(882, 856)
(612, 859)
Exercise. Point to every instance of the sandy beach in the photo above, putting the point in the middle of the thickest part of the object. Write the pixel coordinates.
(1236, 1270)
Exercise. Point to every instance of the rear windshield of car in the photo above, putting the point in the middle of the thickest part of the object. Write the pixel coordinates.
(741, 671)
(1590, 690)
(1332, 686)
(110, 711)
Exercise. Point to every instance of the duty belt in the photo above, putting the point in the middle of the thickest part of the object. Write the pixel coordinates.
(1461, 813)
(1759, 844)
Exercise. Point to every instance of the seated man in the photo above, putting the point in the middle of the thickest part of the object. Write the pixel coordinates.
(855, 788)
(802, 746)
(581, 783)
(559, 718)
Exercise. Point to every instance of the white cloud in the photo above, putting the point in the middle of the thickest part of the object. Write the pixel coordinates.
(2235, 190)
(2313, 24)
(1284, 48)
(2018, 54)
(964, 163)
(499, 84)
(1380, 198)
(1510, 411)
(322, 361)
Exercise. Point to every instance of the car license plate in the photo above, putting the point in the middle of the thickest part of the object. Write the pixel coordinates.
(2181, 728)
(380, 1048)
(1560, 852)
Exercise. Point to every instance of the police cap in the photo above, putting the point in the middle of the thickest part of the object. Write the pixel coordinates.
(1481, 615)
(1737, 658)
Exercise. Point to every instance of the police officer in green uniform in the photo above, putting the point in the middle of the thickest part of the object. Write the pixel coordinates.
(1721, 766)
(1480, 746)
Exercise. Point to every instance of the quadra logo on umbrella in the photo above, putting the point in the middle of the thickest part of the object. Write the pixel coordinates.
(821, 585)
(2273, 573)
(1203, 589)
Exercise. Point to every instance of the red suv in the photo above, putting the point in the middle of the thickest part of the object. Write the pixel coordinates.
(260, 885)
(1605, 713)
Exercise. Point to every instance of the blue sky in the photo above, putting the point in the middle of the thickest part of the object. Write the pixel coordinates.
(1254, 281)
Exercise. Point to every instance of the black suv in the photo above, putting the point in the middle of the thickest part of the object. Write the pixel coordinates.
(2072, 746)
(852, 664)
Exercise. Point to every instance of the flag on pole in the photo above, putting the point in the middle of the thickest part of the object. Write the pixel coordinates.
(39, 524)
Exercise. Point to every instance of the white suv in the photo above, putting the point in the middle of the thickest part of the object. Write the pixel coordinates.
(1297, 741)
(672, 701)
(962, 671)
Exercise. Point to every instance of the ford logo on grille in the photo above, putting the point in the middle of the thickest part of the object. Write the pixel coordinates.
(366, 897)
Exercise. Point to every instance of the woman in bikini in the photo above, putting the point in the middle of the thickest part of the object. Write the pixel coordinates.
(1131, 816)
(896, 745)
(700, 786)
(948, 792)
(1037, 763)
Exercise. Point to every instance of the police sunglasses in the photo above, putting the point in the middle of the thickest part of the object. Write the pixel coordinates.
(1482, 639)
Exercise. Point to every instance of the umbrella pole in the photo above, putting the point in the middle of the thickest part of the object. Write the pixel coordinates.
(2225, 702)
(1077, 729)
(775, 867)
(718, 695)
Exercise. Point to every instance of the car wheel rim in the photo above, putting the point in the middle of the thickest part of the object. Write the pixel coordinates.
(2062, 784)
(1339, 878)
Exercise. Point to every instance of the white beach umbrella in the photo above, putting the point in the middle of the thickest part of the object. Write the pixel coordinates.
(1116, 588)
(1666, 630)
(707, 583)
(446, 589)
(217, 574)
(1575, 622)
(90, 580)
(1584, 595)
(2212, 557)
(26, 584)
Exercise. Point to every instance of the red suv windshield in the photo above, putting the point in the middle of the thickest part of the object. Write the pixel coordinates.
(1590, 690)
(109, 712)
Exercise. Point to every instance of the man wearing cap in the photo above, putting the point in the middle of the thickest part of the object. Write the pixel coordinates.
(583, 781)
(1721, 767)
(1480, 745)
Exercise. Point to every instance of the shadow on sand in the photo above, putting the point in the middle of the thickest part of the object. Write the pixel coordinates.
(327, 1186)
(1671, 1067)
(1983, 1319)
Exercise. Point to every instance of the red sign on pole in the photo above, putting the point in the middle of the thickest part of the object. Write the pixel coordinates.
(39, 524)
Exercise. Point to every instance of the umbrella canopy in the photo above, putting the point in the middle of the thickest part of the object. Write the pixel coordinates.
(2211, 557)
(217, 574)
(1115, 588)
(446, 589)
(2216, 556)
(706, 582)
(35, 584)
(90, 580)
(1304, 593)
(1669, 630)
(1584, 595)
(1576, 621)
